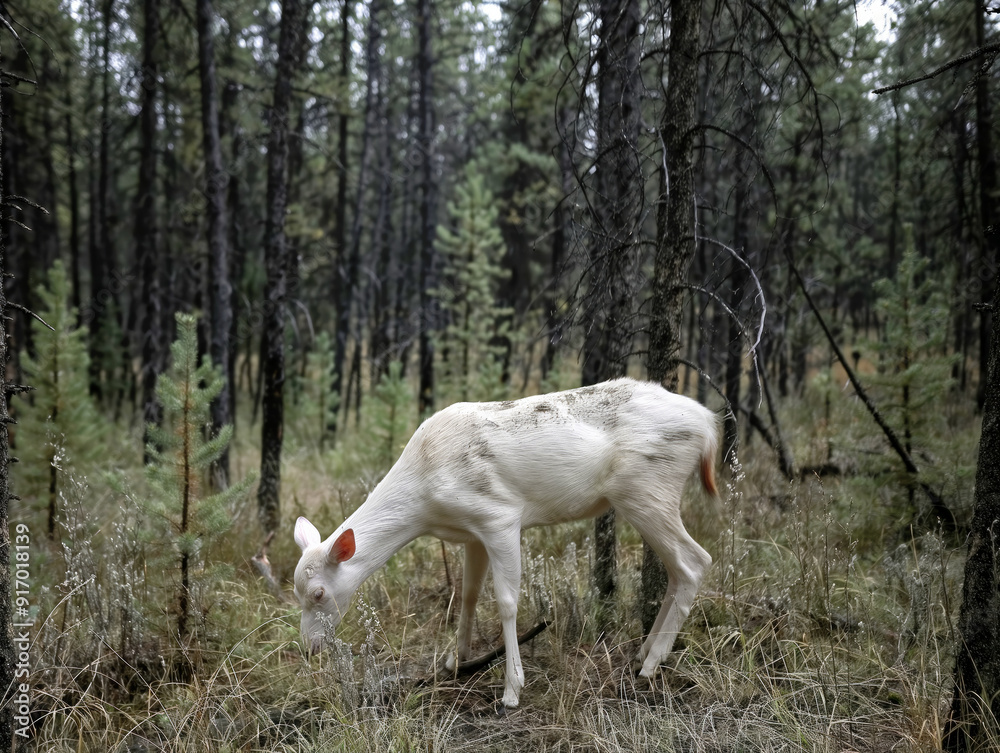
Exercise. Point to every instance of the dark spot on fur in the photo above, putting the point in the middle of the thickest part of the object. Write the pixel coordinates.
(543, 408)
(481, 449)
(481, 484)
(660, 458)
(677, 436)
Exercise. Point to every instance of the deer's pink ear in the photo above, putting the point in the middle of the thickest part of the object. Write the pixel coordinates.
(306, 534)
(343, 548)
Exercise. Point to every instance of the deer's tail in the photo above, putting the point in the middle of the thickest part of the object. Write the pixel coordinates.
(708, 456)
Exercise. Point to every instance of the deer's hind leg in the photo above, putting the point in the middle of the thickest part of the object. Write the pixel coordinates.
(686, 562)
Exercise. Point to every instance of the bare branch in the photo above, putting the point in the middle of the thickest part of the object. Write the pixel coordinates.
(989, 49)
(30, 313)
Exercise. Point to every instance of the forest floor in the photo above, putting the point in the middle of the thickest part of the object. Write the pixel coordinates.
(826, 624)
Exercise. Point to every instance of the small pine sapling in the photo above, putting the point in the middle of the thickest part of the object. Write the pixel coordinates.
(914, 371)
(180, 458)
(60, 424)
(389, 416)
(472, 249)
(317, 404)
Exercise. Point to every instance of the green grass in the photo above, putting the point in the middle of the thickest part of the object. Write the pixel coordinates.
(825, 624)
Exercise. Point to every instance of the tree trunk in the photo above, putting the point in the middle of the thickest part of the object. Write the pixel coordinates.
(74, 201)
(675, 246)
(275, 257)
(989, 195)
(44, 223)
(237, 251)
(153, 346)
(560, 242)
(977, 661)
(381, 244)
(8, 654)
(349, 277)
(100, 237)
(615, 253)
(216, 184)
(428, 261)
(734, 339)
(343, 291)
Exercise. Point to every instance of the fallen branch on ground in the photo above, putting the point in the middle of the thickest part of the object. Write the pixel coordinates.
(471, 666)
(938, 507)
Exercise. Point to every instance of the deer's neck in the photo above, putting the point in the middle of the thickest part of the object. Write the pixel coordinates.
(386, 522)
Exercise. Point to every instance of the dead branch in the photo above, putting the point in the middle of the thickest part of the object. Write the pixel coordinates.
(30, 313)
(774, 441)
(471, 666)
(938, 507)
(988, 49)
(263, 568)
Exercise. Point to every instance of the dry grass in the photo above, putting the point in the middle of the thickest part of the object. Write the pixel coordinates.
(823, 626)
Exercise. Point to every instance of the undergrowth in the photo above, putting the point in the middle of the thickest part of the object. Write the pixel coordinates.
(825, 624)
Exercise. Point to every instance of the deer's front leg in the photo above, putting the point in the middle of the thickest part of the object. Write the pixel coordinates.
(505, 559)
(476, 561)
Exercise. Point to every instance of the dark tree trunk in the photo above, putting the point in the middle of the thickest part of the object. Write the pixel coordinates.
(237, 251)
(349, 276)
(100, 237)
(153, 344)
(381, 246)
(428, 262)
(74, 202)
(615, 253)
(560, 242)
(216, 184)
(962, 221)
(977, 661)
(734, 339)
(343, 291)
(8, 654)
(276, 262)
(515, 293)
(45, 223)
(675, 235)
(989, 196)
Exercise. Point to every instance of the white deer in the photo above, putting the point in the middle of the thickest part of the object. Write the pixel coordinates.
(478, 473)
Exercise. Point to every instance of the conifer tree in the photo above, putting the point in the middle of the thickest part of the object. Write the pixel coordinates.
(61, 423)
(317, 405)
(388, 411)
(472, 250)
(914, 372)
(181, 456)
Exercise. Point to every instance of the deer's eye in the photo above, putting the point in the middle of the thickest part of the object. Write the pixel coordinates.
(318, 594)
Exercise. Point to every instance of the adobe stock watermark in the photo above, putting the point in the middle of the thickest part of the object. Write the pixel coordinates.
(23, 622)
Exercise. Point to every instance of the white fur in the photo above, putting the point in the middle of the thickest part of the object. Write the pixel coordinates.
(478, 473)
